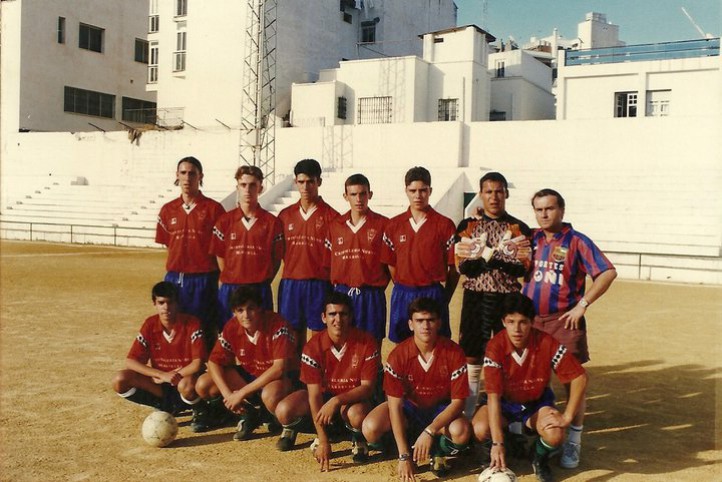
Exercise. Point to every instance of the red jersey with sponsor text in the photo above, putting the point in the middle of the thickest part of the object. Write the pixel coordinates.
(338, 371)
(426, 384)
(169, 351)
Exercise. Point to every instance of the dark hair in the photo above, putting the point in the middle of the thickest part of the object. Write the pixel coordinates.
(548, 192)
(309, 167)
(418, 173)
(337, 298)
(517, 303)
(494, 177)
(244, 294)
(357, 180)
(254, 171)
(427, 305)
(191, 160)
(164, 289)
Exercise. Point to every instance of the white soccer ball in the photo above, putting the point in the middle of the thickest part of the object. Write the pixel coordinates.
(159, 429)
(497, 475)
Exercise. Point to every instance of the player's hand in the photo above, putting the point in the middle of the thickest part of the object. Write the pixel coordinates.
(322, 454)
(327, 411)
(234, 402)
(406, 471)
(173, 378)
(553, 419)
(422, 448)
(498, 457)
(571, 318)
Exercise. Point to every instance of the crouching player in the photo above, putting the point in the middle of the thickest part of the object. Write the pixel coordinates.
(263, 344)
(517, 371)
(426, 385)
(339, 366)
(166, 357)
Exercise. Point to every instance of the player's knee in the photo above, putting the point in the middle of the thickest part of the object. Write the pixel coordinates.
(121, 382)
(372, 429)
(481, 430)
(187, 388)
(204, 385)
(356, 413)
(460, 430)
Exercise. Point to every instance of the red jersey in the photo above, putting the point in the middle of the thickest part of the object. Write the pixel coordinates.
(187, 233)
(305, 236)
(354, 252)
(340, 371)
(420, 253)
(165, 351)
(424, 384)
(249, 248)
(273, 340)
(523, 378)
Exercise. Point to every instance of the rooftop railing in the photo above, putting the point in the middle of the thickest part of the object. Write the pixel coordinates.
(637, 53)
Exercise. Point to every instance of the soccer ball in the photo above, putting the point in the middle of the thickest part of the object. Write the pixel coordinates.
(159, 429)
(497, 475)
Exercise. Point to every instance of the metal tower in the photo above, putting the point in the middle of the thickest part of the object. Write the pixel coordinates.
(258, 103)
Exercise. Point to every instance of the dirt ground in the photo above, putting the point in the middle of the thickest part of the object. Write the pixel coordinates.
(69, 314)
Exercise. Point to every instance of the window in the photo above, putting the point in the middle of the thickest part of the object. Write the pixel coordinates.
(368, 32)
(341, 107)
(61, 30)
(448, 109)
(347, 17)
(658, 103)
(625, 104)
(137, 110)
(181, 8)
(88, 102)
(500, 68)
(374, 110)
(141, 50)
(497, 115)
(153, 17)
(179, 56)
(153, 63)
(90, 38)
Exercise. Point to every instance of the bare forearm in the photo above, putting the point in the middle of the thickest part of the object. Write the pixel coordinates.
(192, 368)
(217, 374)
(577, 388)
(448, 415)
(142, 368)
(600, 285)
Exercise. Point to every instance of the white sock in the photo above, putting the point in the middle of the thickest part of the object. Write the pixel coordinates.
(191, 402)
(473, 372)
(128, 393)
(574, 434)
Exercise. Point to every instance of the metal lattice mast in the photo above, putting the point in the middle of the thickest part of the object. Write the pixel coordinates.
(258, 104)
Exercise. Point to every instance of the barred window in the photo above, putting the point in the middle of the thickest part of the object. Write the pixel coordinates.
(90, 38)
(625, 104)
(138, 110)
(375, 110)
(448, 109)
(88, 102)
(341, 108)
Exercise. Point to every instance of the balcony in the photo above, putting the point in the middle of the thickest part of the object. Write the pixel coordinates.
(645, 52)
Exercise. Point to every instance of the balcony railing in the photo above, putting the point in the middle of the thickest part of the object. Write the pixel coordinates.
(637, 53)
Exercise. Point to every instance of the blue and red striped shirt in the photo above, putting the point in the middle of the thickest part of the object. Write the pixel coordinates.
(556, 280)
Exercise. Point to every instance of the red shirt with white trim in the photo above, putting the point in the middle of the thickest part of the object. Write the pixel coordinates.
(187, 233)
(426, 384)
(523, 378)
(274, 340)
(249, 248)
(420, 253)
(340, 371)
(169, 351)
(354, 252)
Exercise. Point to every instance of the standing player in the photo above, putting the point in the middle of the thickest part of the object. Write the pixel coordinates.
(185, 226)
(517, 372)
(339, 367)
(562, 258)
(248, 243)
(492, 272)
(263, 344)
(354, 242)
(166, 357)
(305, 279)
(417, 249)
(426, 385)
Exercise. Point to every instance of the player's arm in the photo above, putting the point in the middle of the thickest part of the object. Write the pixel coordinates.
(274, 372)
(498, 453)
(577, 387)
(333, 405)
(192, 368)
(392, 271)
(217, 372)
(599, 286)
(396, 416)
(221, 264)
(422, 446)
(168, 377)
(315, 402)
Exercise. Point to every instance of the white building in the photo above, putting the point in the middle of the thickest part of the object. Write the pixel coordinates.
(73, 65)
(195, 45)
(450, 83)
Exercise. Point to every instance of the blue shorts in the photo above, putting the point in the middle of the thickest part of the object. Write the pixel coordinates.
(300, 302)
(369, 308)
(402, 296)
(417, 419)
(224, 297)
(197, 293)
(521, 412)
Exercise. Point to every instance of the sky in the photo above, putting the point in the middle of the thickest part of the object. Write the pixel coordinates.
(640, 21)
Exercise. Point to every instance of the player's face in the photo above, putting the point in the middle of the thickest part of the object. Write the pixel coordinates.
(425, 326)
(337, 319)
(418, 194)
(189, 178)
(167, 308)
(493, 197)
(518, 328)
(248, 189)
(548, 214)
(248, 316)
(308, 187)
(358, 198)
